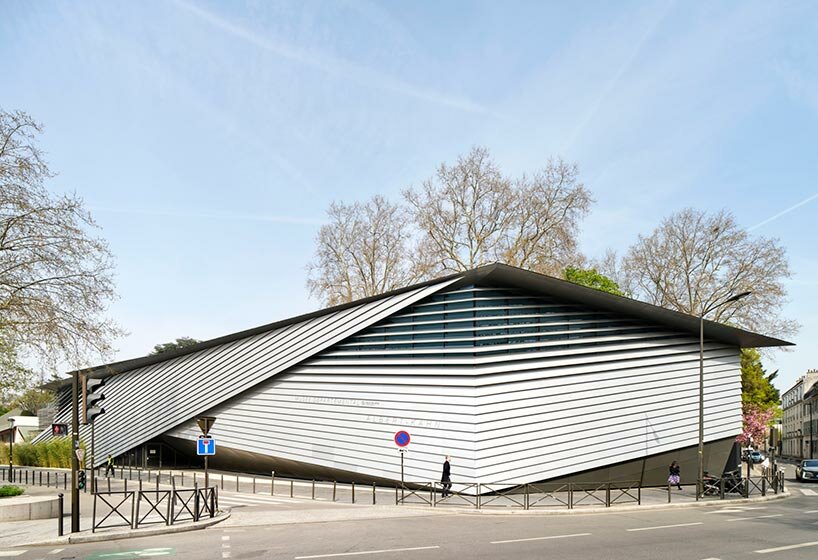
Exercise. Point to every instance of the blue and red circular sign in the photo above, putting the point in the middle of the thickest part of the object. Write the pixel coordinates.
(402, 438)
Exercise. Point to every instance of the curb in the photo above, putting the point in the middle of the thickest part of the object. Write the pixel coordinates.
(132, 533)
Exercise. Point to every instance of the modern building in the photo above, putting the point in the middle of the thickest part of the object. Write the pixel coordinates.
(795, 440)
(519, 377)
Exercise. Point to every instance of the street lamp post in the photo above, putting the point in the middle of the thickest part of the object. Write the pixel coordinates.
(810, 430)
(700, 481)
(11, 450)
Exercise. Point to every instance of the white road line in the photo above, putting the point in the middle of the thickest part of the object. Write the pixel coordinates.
(790, 547)
(724, 511)
(812, 511)
(56, 551)
(247, 500)
(226, 538)
(12, 552)
(757, 517)
(808, 492)
(366, 552)
(542, 538)
(667, 526)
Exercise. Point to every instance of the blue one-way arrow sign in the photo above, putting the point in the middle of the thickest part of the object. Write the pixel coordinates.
(206, 446)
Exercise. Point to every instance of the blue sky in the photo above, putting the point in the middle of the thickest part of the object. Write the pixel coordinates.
(208, 138)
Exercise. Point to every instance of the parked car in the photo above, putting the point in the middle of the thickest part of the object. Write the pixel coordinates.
(807, 470)
(756, 456)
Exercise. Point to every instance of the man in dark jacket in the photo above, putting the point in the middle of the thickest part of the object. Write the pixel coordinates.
(446, 479)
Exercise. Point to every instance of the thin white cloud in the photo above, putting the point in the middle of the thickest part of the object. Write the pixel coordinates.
(332, 65)
(296, 220)
(606, 90)
(783, 212)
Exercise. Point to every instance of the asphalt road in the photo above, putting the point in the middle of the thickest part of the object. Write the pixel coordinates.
(780, 529)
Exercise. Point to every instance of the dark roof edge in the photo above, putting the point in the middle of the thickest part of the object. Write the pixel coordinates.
(622, 304)
(104, 370)
(516, 276)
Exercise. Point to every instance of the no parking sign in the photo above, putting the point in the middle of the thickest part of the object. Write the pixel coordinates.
(402, 438)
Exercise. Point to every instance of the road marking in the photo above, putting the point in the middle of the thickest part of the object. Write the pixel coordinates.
(808, 492)
(12, 552)
(790, 547)
(127, 554)
(666, 526)
(812, 511)
(226, 538)
(724, 511)
(56, 551)
(757, 517)
(542, 538)
(366, 552)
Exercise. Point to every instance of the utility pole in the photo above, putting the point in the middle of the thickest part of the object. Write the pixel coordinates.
(75, 445)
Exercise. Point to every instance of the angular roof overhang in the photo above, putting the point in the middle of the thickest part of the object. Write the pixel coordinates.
(492, 274)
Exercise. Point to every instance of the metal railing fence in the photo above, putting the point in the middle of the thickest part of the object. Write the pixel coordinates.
(165, 487)
(139, 507)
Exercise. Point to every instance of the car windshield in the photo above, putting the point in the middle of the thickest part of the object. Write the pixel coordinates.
(811, 463)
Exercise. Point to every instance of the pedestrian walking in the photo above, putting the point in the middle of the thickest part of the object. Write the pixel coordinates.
(765, 466)
(109, 466)
(675, 476)
(446, 479)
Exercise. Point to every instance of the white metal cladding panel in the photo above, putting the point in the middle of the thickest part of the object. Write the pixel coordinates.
(584, 390)
(568, 426)
(146, 402)
(319, 420)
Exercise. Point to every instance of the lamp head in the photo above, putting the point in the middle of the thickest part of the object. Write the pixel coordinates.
(738, 297)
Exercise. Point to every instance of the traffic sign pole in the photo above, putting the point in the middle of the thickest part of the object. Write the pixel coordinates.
(402, 439)
(205, 423)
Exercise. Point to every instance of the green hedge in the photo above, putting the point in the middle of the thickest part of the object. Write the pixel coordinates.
(52, 453)
(6, 491)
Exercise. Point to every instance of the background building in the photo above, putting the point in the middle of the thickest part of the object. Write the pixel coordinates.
(795, 442)
(518, 376)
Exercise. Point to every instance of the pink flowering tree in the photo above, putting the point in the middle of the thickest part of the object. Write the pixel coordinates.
(756, 419)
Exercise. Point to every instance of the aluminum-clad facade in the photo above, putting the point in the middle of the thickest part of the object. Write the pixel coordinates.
(146, 402)
(533, 389)
(517, 376)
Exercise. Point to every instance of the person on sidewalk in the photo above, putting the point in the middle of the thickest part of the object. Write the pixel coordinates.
(446, 479)
(675, 476)
(109, 466)
(765, 466)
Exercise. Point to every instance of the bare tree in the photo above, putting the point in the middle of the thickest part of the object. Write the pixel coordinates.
(56, 279)
(549, 206)
(361, 252)
(463, 213)
(470, 214)
(693, 260)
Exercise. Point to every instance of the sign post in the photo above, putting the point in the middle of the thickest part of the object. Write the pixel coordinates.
(402, 439)
(205, 423)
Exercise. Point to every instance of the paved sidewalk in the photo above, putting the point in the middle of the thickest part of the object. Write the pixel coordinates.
(45, 531)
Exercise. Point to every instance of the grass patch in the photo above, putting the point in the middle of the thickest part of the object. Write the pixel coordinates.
(8, 491)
